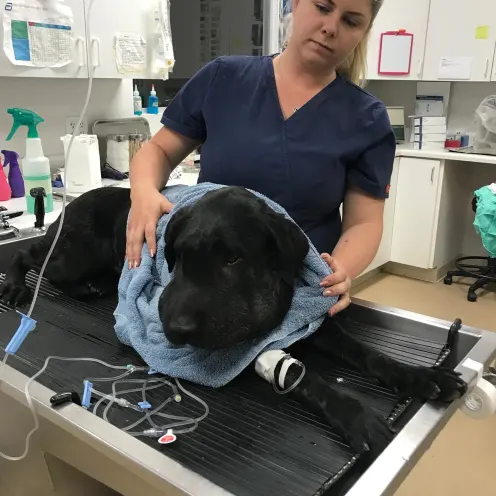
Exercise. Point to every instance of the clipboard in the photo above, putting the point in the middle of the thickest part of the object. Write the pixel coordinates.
(395, 53)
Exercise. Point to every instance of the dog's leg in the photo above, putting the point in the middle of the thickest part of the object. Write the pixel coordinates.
(360, 426)
(14, 289)
(425, 383)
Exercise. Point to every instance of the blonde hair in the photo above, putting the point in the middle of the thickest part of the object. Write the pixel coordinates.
(354, 67)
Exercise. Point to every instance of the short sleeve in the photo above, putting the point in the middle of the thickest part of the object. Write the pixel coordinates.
(184, 114)
(371, 170)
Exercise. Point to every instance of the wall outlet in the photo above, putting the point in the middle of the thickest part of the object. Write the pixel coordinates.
(70, 124)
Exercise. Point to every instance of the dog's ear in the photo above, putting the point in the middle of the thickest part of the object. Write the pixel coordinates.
(288, 246)
(174, 226)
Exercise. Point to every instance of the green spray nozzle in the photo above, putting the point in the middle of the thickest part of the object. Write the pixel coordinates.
(24, 117)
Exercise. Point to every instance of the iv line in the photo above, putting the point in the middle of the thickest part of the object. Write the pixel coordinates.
(89, 61)
(155, 431)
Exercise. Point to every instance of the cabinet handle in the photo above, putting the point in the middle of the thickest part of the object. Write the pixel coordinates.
(487, 68)
(95, 41)
(432, 175)
(80, 47)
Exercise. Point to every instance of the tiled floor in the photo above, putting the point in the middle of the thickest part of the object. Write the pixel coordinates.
(462, 460)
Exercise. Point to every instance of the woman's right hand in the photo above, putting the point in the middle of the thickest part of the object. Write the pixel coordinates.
(146, 209)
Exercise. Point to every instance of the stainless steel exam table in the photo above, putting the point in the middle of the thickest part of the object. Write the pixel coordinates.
(290, 453)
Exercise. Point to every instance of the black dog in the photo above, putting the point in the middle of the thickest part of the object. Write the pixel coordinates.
(235, 263)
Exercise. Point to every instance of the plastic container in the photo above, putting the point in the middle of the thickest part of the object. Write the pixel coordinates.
(84, 172)
(137, 103)
(35, 166)
(118, 152)
(5, 191)
(16, 182)
(153, 101)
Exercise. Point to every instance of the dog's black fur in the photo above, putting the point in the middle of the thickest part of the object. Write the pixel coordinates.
(235, 264)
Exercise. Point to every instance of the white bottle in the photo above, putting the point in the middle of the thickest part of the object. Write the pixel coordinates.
(137, 103)
(36, 173)
(35, 166)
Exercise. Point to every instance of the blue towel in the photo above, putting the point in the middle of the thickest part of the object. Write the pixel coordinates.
(138, 323)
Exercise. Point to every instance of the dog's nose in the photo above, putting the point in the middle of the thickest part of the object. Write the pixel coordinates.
(181, 329)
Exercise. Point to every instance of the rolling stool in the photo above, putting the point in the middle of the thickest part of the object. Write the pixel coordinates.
(467, 267)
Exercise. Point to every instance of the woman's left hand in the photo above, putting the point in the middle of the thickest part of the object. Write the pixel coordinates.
(337, 284)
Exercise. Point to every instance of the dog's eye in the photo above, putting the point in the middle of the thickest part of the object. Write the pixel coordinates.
(233, 261)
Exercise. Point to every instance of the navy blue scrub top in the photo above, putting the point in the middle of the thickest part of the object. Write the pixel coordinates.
(341, 137)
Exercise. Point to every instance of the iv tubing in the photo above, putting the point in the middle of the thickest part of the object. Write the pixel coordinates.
(89, 58)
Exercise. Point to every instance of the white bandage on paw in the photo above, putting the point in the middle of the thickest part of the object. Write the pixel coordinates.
(265, 367)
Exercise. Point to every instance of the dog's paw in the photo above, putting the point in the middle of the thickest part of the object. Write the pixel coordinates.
(14, 294)
(364, 429)
(436, 383)
(368, 432)
(93, 290)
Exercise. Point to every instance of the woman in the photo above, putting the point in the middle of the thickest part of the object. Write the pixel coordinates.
(294, 127)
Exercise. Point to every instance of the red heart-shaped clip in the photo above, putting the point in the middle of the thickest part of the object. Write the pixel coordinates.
(167, 438)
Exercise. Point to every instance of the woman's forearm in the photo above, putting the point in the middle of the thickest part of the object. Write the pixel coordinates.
(153, 164)
(358, 246)
(150, 168)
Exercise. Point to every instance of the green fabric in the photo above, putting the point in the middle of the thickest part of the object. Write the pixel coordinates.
(485, 218)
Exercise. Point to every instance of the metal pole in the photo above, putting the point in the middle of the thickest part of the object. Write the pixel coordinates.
(271, 12)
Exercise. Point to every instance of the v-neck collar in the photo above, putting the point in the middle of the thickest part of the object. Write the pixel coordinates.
(318, 98)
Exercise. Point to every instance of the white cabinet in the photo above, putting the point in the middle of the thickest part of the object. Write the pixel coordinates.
(415, 212)
(431, 202)
(118, 16)
(106, 19)
(201, 31)
(457, 30)
(383, 255)
(393, 16)
(76, 69)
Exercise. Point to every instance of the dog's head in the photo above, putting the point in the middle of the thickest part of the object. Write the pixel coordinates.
(235, 262)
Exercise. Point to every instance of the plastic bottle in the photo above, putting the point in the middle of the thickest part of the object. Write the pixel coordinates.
(137, 103)
(153, 101)
(16, 181)
(35, 166)
(5, 192)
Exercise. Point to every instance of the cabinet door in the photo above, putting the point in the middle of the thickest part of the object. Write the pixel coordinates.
(383, 255)
(415, 212)
(76, 69)
(463, 33)
(395, 15)
(118, 16)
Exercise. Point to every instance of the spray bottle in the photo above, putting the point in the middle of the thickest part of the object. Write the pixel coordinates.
(5, 192)
(35, 166)
(15, 177)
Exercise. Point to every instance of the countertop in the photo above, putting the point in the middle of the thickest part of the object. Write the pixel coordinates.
(27, 220)
(406, 150)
